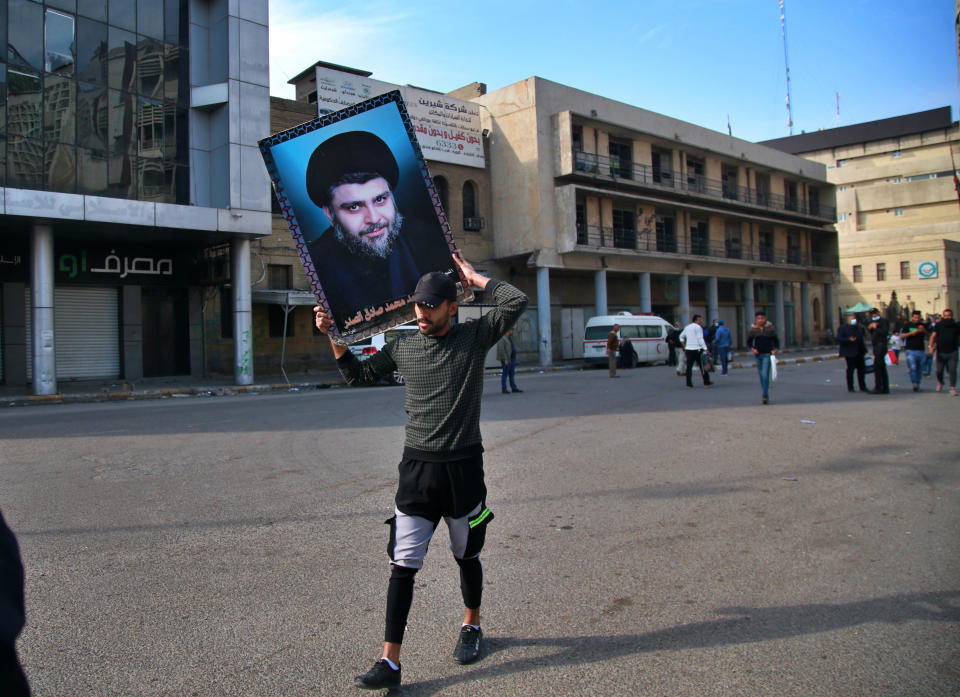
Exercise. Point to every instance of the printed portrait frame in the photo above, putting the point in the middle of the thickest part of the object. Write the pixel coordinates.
(286, 155)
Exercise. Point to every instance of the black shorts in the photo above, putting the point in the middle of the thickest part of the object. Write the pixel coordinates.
(434, 490)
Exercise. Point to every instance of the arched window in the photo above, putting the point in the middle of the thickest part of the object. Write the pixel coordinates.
(440, 184)
(469, 200)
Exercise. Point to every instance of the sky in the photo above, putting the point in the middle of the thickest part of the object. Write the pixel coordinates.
(701, 61)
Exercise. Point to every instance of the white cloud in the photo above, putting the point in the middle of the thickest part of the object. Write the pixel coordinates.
(300, 36)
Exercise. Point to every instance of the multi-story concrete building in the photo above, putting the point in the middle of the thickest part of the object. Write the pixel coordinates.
(600, 206)
(898, 214)
(129, 168)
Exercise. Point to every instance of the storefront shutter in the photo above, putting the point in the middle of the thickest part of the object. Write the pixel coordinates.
(86, 333)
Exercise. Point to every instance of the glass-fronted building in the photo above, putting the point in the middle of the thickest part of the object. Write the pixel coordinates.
(131, 182)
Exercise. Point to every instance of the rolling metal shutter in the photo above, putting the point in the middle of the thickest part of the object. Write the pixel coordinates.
(86, 333)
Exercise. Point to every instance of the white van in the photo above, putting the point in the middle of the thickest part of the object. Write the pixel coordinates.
(647, 333)
(365, 348)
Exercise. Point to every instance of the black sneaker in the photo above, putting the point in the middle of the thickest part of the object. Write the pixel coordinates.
(468, 645)
(380, 677)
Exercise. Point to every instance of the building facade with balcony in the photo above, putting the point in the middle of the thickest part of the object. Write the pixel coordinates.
(600, 206)
(130, 184)
(898, 214)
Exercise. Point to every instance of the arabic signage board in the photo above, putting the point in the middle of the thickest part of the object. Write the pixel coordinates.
(927, 269)
(366, 220)
(447, 129)
(114, 265)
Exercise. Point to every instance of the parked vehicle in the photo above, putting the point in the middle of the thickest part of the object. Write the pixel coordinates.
(646, 333)
(365, 348)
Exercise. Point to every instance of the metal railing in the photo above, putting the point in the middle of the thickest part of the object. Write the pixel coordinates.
(665, 243)
(617, 169)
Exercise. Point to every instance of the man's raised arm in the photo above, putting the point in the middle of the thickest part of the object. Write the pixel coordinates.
(354, 372)
(511, 302)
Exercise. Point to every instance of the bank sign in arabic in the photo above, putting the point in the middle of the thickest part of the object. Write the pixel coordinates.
(102, 265)
(447, 129)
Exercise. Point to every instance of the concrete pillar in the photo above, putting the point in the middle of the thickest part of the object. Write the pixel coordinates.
(132, 304)
(683, 293)
(600, 291)
(41, 306)
(749, 308)
(646, 301)
(242, 312)
(828, 309)
(804, 313)
(779, 318)
(543, 316)
(713, 300)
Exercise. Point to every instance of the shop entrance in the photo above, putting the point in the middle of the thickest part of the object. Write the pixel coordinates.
(166, 337)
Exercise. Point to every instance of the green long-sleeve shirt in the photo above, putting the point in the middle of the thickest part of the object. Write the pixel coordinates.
(443, 378)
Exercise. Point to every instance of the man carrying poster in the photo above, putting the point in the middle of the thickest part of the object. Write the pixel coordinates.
(441, 470)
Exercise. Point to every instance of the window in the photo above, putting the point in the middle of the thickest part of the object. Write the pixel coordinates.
(904, 270)
(666, 232)
(624, 229)
(841, 217)
(621, 159)
(581, 212)
(895, 180)
(842, 187)
(881, 272)
(898, 212)
(895, 153)
(440, 184)
(696, 181)
(469, 200)
(58, 44)
(662, 166)
(699, 237)
(279, 277)
(858, 274)
(790, 196)
(734, 241)
(766, 244)
(841, 163)
(578, 138)
(729, 182)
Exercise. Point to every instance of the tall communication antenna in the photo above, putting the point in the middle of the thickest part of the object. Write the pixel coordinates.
(786, 63)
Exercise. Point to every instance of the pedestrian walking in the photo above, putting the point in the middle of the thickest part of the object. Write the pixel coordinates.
(613, 345)
(944, 341)
(764, 344)
(13, 682)
(853, 349)
(879, 338)
(722, 341)
(694, 347)
(928, 356)
(507, 355)
(913, 335)
(673, 343)
(441, 471)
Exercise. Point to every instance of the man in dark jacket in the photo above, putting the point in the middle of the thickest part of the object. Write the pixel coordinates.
(441, 470)
(764, 344)
(945, 340)
(850, 338)
(879, 337)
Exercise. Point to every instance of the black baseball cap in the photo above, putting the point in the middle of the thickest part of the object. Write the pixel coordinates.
(433, 288)
(353, 152)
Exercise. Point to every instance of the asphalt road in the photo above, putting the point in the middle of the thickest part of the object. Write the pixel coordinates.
(649, 540)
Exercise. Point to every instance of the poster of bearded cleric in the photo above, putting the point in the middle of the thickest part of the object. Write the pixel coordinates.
(354, 188)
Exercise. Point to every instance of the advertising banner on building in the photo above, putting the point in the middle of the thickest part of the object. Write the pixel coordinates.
(365, 217)
(447, 129)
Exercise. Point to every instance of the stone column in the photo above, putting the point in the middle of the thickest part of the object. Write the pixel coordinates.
(41, 306)
(242, 312)
(646, 301)
(713, 301)
(780, 314)
(600, 291)
(543, 316)
(828, 309)
(683, 293)
(804, 313)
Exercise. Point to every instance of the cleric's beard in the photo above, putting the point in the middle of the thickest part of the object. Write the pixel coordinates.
(378, 248)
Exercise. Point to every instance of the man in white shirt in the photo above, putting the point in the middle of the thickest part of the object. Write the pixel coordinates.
(694, 346)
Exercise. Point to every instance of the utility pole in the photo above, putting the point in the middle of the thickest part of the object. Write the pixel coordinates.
(786, 63)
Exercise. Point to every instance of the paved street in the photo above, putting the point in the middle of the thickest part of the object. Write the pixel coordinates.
(649, 540)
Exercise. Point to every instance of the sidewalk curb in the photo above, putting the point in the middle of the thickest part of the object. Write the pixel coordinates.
(226, 390)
